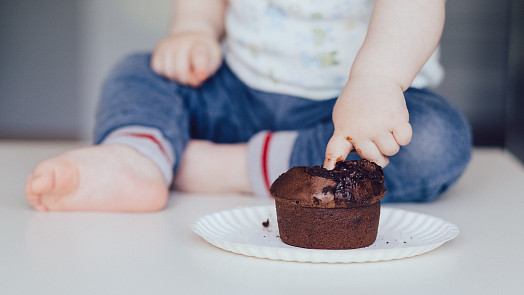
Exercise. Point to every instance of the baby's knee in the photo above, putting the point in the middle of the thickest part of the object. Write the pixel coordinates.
(441, 134)
(438, 153)
(134, 65)
(133, 73)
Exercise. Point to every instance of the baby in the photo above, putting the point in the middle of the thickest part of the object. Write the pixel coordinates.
(240, 91)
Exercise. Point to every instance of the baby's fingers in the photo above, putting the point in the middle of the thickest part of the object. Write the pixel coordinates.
(157, 62)
(200, 67)
(369, 151)
(337, 149)
(403, 133)
(180, 65)
(387, 144)
(163, 61)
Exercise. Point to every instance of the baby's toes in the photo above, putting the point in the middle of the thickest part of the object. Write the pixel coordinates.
(50, 181)
(42, 180)
(33, 198)
(43, 183)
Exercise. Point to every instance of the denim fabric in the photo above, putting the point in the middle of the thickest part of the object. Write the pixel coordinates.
(225, 110)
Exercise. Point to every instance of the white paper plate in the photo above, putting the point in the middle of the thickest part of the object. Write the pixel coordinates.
(401, 234)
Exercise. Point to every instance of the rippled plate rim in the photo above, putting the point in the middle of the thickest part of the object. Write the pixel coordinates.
(297, 254)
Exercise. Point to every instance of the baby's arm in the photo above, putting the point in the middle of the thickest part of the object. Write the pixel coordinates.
(190, 53)
(370, 115)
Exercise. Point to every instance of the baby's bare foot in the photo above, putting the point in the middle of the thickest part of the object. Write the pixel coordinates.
(97, 178)
(207, 167)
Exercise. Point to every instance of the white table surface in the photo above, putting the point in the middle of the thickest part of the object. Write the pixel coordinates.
(157, 253)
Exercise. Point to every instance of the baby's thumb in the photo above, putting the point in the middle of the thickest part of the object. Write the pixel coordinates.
(337, 150)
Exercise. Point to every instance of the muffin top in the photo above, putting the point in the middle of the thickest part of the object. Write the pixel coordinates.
(350, 184)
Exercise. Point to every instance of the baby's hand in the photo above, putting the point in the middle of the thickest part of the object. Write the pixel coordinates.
(371, 117)
(188, 58)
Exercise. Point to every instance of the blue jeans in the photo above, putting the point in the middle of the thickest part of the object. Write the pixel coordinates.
(225, 110)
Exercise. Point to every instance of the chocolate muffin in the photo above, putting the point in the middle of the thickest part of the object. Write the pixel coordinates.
(329, 209)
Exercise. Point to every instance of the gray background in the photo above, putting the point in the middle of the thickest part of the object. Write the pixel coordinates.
(54, 55)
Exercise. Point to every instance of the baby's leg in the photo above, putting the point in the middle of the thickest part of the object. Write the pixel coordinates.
(260, 156)
(116, 177)
(208, 167)
(237, 155)
(235, 168)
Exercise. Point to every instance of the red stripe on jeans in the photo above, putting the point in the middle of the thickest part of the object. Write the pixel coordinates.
(150, 137)
(265, 151)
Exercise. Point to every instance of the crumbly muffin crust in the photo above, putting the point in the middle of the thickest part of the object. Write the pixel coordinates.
(329, 209)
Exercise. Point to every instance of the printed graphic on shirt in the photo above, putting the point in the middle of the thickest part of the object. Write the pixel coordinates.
(301, 47)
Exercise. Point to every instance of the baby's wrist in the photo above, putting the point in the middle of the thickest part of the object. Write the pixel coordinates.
(377, 80)
(200, 32)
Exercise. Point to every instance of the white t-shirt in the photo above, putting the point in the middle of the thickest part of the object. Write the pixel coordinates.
(302, 48)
